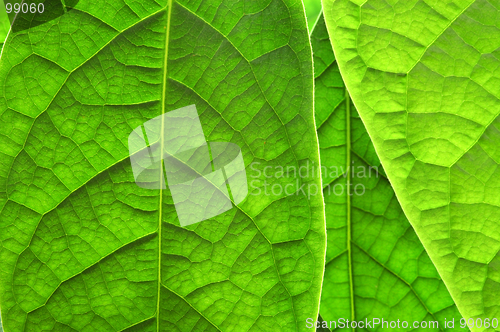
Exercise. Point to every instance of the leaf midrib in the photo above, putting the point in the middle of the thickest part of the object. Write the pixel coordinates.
(162, 177)
(349, 217)
(162, 142)
(276, 113)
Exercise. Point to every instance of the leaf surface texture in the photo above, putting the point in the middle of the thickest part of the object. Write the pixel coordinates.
(376, 266)
(4, 25)
(83, 248)
(424, 77)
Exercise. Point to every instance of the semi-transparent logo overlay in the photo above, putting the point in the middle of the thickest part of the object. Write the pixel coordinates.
(204, 178)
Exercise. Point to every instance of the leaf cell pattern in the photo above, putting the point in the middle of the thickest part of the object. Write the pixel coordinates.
(424, 76)
(376, 266)
(83, 248)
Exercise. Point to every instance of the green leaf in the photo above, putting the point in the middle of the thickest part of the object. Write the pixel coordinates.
(424, 77)
(313, 9)
(83, 247)
(376, 266)
(4, 24)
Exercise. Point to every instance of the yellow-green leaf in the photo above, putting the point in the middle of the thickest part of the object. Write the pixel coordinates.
(424, 77)
(376, 266)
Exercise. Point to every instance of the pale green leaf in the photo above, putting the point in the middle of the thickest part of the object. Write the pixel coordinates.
(424, 76)
(376, 266)
(83, 248)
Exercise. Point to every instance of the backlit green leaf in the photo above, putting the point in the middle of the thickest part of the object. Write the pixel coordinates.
(425, 76)
(376, 266)
(4, 24)
(82, 246)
